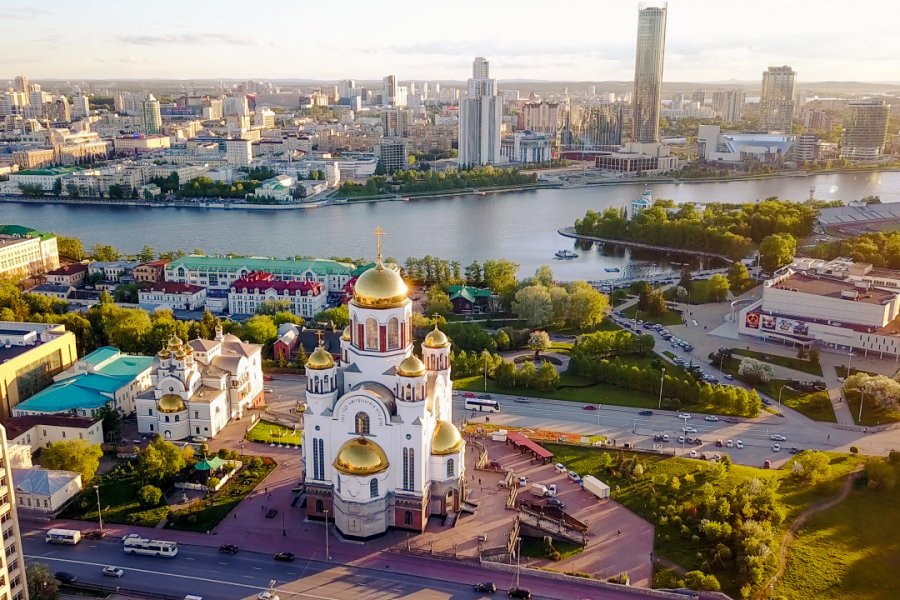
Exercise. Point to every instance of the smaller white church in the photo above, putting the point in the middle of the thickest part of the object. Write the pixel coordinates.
(199, 386)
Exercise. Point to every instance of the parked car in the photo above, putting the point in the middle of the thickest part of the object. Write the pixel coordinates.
(284, 556)
(794, 450)
(551, 489)
(468, 395)
(681, 439)
(560, 468)
(556, 502)
(739, 445)
(484, 396)
(519, 592)
(767, 464)
(199, 439)
(689, 429)
(266, 595)
(767, 402)
(270, 514)
(269, 390)
(228, 549)
(711, 418)
(729, 376)
(113, 571)
(776, 448)
(693, 454)
(95, 534)
(486, 587)
(523, 481)
(65, 577)
(729, 444)
(665, 437)
(646, 413)
(719, 443)
(684, 415)
(777, 437)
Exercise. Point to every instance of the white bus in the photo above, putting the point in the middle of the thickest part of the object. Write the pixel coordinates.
(63, 536)
(482, 405)
(137, 545)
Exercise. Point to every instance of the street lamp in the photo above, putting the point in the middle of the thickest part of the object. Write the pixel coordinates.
(781, 389)
(485, 372)
(661, 380)
(327, 553)
(99, 509)
(849, 360)
(862, 397)
(518, 559)
(599, 406)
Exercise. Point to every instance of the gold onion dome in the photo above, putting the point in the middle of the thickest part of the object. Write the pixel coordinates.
(175, 342)
(171, 403)
(447, 439)
(411, 366)
(347, 334)
(380, 287)
(360, 456)
(436, 338)
(320, 359)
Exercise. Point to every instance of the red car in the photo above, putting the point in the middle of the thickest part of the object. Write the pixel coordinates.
(468, 395)
(590, 407)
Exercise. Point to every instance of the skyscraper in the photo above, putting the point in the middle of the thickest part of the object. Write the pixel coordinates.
(480, 116)
(152, 119)
(389, 93)
(593, 127)
(776, 102)
(729, 104)
(865, 129)
(12, 564)
(21, 84)
(648, 71)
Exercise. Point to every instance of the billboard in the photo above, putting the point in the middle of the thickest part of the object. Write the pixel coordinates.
(752, 321)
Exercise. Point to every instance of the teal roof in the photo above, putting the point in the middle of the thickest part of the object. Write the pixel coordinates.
(362, 269)
(210, 464)
(21, 230)
(50, 171)
(101, 355)
(320, 266)
(66, 395)
(467, 292)
(127, 367)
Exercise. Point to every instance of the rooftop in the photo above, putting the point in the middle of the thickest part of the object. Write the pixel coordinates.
(319, 266)
(832, 288)
(69, 269)
(51, 171)
(16, 426)
(172, 287)
(42, 482)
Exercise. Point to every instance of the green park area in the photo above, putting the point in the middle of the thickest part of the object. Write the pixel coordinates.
(812, 367)
(872, 415)
(728, 521)
(670, 317)
(268, 432)
(120, 499)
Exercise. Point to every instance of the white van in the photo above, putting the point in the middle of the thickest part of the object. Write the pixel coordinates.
(192, 597)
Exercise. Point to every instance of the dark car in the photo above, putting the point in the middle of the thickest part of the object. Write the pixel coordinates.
(270, 514)
(65, 577)
(95, 534)
(646, 413)
(556, 502)
(519, 592)
(284, 556)
(486, 586)
(794, 450)
(228, 549)
(484, 396)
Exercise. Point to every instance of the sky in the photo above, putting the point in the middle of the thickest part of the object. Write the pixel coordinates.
(565, 40)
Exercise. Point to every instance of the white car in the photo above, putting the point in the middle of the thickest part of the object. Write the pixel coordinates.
(711, 418)
(574, 476)
(560, 468)
(684, 415)
(680, 439)
(739, 444)
(692, 454)
(523, 481)
(690, 429)
(777, 437)
(269, 390)
(776, 448)
(199, 439)
(729, 444)
(551, 489)
(267, 596)
(113, 571)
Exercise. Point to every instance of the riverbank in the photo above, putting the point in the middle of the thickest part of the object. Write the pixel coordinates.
(204, 204)
(570, 233)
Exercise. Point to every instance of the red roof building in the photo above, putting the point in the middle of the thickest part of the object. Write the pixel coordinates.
(305, 298)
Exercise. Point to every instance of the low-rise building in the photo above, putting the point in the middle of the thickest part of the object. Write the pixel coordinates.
(116, 271)
(277, 189)
(70, 275)
(525, 147)
(175, 296)
(220, 272)
(304, 298)
(467, 299)
(25, 252)
(53, 290)
(39, 431)
(150, 272)
(44, 491)
(140, 144)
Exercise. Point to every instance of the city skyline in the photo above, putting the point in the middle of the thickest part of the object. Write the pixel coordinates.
(598, 45)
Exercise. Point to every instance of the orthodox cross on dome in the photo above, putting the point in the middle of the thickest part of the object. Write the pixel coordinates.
(379, 233)
(320, 335)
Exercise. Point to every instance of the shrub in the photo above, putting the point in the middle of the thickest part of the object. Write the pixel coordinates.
(150, 496)
(213, 482)
(854, 450)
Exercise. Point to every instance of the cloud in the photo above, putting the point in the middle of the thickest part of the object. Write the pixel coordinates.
(21, 13)
(189, 39)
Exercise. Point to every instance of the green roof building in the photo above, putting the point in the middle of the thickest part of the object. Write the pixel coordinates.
(219, 272)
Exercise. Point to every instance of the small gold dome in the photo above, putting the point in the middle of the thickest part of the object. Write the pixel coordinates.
(360, 456)
(320, 359)
(411, 367)
(174, 342)
(447, 439)
(171, 403)
(380, 287)
(436, 338)
(164, 354)
(346, 336)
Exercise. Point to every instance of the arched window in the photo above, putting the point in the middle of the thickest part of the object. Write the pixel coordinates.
(373, 488)
(450, 467)
(407, 518)
(412, 469)
(362, 423)
(405, 468)
(371, 334)
(325, 387)
(353, 330)
(320, 506)
(393, 333)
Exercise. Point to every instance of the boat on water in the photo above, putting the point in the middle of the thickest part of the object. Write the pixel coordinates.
(612, 269)
(565, 254)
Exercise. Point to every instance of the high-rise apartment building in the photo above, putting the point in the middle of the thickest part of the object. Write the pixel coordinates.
(60, 110)
(776, 102)
(235, 106)
(648, 72)
(21, 84)
(12, 561)
(729, 104)
(480, 117)
(395, 122)
(541, 117)
(593, 127)
(389, 91)
(865, 129)
(150, 115)
(81, 107)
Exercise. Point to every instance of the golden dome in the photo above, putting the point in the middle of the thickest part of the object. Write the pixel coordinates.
(380, 287)
(320, 359)
(347, 334)
(411, 367)
(171, 403)
(436, 338)
(174, 342)
(360, 456)
(164, 354)
(447, 439)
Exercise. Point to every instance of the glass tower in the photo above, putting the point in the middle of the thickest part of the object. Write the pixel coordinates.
(648, 71)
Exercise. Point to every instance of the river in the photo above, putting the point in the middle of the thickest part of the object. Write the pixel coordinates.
(521, 226)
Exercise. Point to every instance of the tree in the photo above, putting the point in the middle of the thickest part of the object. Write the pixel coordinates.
(150, 496)
(500, 275)
(339, 315)
(533, 304)
(739, 277)
(538, 341)
(544, 276)
(473, 274)
(42, 585)
(755, 371)
(70, 247)
(260, 329)
(283, 317)
(686, 280)
(112, 423)
(105, 252)
(652, 302)
(776, 250)
(57, 187)
(718, 287)
(79, 456)
(146, 254)
(812, 466)
(880, 389)
(880, 475)
(160, 460)
(585, 306)
(502, 339)
(272, 306)
(438, 302)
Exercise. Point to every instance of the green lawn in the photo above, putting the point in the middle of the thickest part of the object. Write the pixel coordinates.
(790, 362)
(207, 513)
(534, 548)
(273, 433)
(593, 394)
(849, 551)
(119, 499)
(638, 494)
(670, 317)
(871, 415)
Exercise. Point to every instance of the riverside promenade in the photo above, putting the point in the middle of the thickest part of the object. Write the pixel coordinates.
(570, 233)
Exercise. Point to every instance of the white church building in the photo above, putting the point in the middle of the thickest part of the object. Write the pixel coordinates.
(199, 386)
(379, 446)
